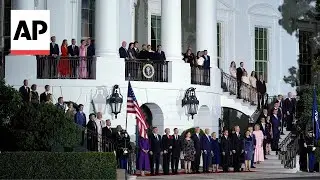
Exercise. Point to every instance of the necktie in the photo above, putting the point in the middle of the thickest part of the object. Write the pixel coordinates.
(156, 137)
(73, 47)
(176, 137)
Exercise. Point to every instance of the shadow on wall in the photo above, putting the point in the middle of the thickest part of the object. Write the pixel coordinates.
(233, 117)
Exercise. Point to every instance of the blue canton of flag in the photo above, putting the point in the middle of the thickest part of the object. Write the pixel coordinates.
(315, 115)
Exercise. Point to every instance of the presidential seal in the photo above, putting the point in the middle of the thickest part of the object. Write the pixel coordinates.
(148, 71)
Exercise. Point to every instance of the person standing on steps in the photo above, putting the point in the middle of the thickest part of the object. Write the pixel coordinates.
(240, 71)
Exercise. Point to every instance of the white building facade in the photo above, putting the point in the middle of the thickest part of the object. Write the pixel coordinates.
(231, 30)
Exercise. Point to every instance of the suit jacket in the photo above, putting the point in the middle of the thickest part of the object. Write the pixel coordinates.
(263, 129)
(25, 93)
(91, 50)
(237, 142)
(206, 63)
(261, 87)
(197, 142)
(239, 73)
(144, 54)
(73, 52)
(80, 119)
(60, 106)
(176, 146)
(54, 49)
(123, 52)
(226, 145)
(206, 143)
(289, 106)
(108, 133)
(43, 97)
(166, 143)
(159, 56)
(254, 139)
(155, 144)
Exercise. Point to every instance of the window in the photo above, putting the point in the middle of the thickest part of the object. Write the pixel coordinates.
(261, 52)
(87, 19)
(305, 57)
(155, 31)
(219, 48)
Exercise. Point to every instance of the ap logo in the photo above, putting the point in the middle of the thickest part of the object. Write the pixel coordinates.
(30, 32)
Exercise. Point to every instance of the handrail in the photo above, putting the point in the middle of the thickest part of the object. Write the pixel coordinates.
(288, 154)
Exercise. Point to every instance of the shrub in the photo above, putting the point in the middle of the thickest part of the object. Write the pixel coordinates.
(49, 165)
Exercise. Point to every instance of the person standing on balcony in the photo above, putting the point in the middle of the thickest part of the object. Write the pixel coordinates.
(131, 51)
(262, 89)
(25, 91)
(123, 52)
(136, 49)
(240, 71)
(253, 87)
(73, 51)
(206, 66)
(199, 70)
(289, 110)
(64, 64)
(53, 60)
(91, 52)
(144, 54)
(233, 83)
(83, 73)
(189, 57)
(160, 57)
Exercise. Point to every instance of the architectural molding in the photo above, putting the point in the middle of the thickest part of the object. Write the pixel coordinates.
(264, 9)
(225, 5)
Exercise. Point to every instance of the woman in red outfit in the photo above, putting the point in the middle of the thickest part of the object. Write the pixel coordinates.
(64, 64)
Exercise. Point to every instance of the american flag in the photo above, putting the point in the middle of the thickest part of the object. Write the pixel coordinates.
(134, 108)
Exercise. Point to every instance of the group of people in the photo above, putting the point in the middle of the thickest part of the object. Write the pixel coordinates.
(227, 151)
(132, 52)
(251, 88)
(67, 61)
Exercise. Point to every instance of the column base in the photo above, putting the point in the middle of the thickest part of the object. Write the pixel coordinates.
(107, 54)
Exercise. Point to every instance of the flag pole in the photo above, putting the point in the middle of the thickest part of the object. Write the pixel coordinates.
(127, 103)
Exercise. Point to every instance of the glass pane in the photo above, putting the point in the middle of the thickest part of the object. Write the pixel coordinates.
(260, 68)
(218, 28)
(7, 45)
(84, 30)
(159, 23)
(91, 30)
(265, 33)
(260, 55)
(256, 43)
(256, 55)
(85, 16)
(265, 44)
(7, 3)
(153, 21)
(265, 67)
(85, 4)
(260, 42)
(92, 4)
(153, 44)
(7, 14)
(153, 33)
(265, 53)
(260, 33)
(91, 14)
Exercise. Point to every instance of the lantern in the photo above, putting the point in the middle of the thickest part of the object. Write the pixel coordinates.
(191, 102)
(115, 100)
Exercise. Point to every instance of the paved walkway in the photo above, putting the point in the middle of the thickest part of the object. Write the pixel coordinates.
(237, 176)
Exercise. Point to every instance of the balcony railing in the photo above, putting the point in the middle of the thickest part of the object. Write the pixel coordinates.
(247, 92)
(145, 70)
(60, 67)
(200, 76)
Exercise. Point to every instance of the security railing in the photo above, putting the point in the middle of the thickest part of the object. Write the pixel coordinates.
(289, 153)
(200, 76)
(61, 67)
(146, 70)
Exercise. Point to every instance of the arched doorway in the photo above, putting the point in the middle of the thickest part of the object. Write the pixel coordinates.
(154, 116)
(232, 117)
(203, 117)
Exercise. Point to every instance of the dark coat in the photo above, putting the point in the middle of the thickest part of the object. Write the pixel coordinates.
(197, 142)
(155, 144)
(123, 52)
(166, 142)
(239, 73)
(73, 52)
(176, 146)
(25, 93)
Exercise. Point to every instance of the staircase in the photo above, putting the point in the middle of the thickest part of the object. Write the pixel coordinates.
(282, 163)
(230, 100)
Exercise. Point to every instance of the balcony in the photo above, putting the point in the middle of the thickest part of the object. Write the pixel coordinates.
(49, 67)
(146, 70)
(200, 76)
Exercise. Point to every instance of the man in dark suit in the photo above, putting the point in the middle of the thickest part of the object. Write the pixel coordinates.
(275, 130)
(226, 150)
(289, 110)
(237, 148)
(73, 51)
(136, 49)
(160, 57)
(123, 51)
(25, 91)
(60, 104)
(176, 150)
(206, 66)
(45, 94)
(144, 54)
(261, 89)
(197, 145)
(250, 129)
(167, 150)
(240, 71)
(206, 150)
(91, 51)
(54, 53)
(155, 151)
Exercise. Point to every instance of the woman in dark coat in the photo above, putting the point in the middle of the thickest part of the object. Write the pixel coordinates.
(216, 155)
(269, 136)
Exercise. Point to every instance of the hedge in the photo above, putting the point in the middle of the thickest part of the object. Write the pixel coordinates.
(57, 165)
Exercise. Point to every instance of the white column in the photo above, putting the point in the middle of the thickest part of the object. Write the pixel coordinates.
(40, 4)
(106, 28)
(23, 5)
(206, 28)
(171, 28)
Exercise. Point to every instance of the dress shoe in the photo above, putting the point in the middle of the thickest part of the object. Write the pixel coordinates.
(282, 133)
(265, 158)
(252, 167)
